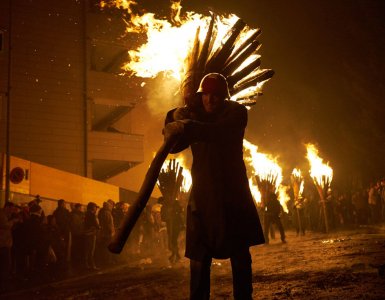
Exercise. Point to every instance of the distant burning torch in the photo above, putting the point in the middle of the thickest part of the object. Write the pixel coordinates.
(297, 184)
(173, 180)
(267, 175)
(322, 176)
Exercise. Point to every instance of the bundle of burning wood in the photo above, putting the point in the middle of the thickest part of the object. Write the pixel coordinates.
(297, 184)
(170, 180)
(236, 60)
(323, 187)
(266, 185)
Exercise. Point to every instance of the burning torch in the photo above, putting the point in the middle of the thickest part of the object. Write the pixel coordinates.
(297, 184)
(170, 180)
(322, 176)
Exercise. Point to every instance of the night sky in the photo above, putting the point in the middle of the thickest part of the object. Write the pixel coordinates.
(328, 89)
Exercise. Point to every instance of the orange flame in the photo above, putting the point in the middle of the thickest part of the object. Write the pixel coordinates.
(168, 43)
(322, 174)
(187, 179)
(255, 191)
(298, 182)
(267, 168)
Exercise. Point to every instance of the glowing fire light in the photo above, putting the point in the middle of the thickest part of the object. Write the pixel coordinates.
(187, 179)
(322, 176)
(297, 182)
(255, 191)
(321, 173)
(267, 169)
(169, 43)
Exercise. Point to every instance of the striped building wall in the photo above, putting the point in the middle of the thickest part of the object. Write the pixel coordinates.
(46, 85)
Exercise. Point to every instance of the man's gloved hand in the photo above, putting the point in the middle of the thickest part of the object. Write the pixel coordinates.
(182, 113)
(173, 129)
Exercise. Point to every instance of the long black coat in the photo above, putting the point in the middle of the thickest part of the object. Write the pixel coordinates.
(221, 215)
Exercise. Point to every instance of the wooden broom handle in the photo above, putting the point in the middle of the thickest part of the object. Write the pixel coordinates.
(117, 244)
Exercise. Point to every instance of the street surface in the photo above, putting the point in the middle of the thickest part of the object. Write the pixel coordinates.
(344, 265)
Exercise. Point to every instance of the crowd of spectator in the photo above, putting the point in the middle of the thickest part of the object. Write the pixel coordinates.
(344, 210)
(72, 240)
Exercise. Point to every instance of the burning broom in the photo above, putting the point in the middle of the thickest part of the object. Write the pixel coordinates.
(322, 175)
(266, 186)
(238, 62)
(298, 184)
(170, 180)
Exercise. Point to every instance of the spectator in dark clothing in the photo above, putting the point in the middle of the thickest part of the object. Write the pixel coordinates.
(20, 247)
(171, 213)
(35, 202)
(117, 214)
(299, 215)
(273, 211)
(146, 222)
(36, 240)
(56, 248)
(91, 228)
(160, 227)
(77, 235)
(107, 231)
(361, 207)
(62, 218)
(6, 224)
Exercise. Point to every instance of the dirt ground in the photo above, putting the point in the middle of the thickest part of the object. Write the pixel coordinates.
(341, 265)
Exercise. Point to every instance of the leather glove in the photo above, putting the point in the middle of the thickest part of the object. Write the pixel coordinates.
(182, 113)
(173, 129)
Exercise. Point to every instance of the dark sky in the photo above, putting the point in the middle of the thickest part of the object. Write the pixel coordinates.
(328, 89)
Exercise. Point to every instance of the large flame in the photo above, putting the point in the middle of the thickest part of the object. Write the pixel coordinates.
(266, 168)
(169, 42)
(321, 173)
(263, 165)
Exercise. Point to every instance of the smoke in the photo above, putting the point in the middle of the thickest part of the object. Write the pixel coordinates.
(163, 95)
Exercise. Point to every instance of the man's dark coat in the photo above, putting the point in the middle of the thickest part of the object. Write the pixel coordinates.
(221, 214)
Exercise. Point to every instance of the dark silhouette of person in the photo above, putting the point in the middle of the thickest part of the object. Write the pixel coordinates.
(222, 220)
(171, 213)
(273, 210)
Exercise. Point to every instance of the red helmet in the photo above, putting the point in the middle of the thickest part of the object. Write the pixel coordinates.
(214, 83)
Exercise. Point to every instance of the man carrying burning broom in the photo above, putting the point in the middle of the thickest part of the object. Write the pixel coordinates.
(222, 220)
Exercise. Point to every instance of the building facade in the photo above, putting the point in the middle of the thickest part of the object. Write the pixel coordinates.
(63, 102)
